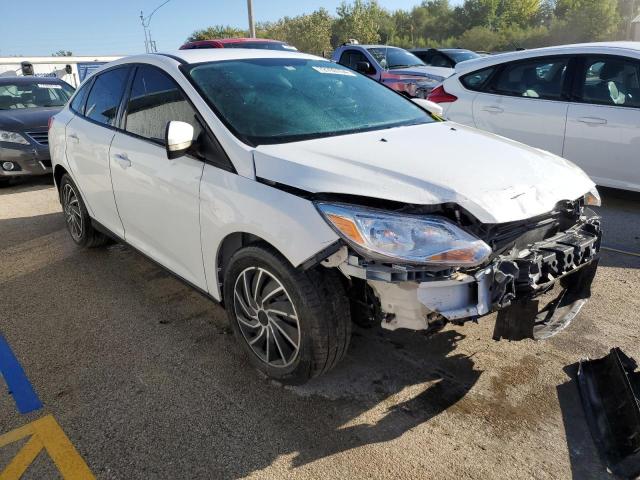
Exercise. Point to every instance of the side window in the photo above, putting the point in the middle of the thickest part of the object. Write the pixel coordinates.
(610, 81)
(77, 104)
(105, 96)
(424, 56)
(477, 80)
(536, 78)
(350, 58)
(155, 101)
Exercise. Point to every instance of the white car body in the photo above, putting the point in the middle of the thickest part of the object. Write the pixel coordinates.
(190, 215)
(601, 138)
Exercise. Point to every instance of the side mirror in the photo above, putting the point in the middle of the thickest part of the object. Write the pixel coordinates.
(178, 138)
(429, 106)
(363, 67)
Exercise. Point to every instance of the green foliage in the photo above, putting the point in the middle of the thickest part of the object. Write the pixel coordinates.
(62, 53)
(489, 25)
(309, 33)
(217, 31)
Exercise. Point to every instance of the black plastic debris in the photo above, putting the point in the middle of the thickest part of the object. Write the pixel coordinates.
(610, 392)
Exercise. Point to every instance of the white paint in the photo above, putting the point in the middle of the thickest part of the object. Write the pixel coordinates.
(601, 139)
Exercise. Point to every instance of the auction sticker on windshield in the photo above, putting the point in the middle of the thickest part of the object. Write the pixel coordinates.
(335, 71)
(48, 85)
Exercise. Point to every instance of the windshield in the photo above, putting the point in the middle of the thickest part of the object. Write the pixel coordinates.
(277, 100)
(392, 57)
(461, 56)
(40, 93)
(262, 46)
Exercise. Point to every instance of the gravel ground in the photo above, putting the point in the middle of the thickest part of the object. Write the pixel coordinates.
(146, 380)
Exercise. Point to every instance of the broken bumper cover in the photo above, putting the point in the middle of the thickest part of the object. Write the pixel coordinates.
(610, 392)
(510, 284)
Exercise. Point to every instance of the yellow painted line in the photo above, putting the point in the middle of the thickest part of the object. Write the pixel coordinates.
(624, 252)
(47, 435)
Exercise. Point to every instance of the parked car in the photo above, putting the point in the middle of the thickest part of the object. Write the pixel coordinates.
(578, 101)
(259, 43)
(301, 195)
(444, 57)
(26, 104)
(392, 66)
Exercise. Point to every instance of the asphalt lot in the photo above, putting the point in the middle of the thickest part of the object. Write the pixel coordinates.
(145, 379)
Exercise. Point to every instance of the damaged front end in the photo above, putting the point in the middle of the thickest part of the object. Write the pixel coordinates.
(527, 260)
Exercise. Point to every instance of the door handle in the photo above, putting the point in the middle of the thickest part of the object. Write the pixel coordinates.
(73, 136)
(493, 109)
(592, 120)
(122, 159)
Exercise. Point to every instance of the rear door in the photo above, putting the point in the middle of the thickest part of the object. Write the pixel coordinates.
(603, 123)
(89, 136)
(158, 198)
(525, 101)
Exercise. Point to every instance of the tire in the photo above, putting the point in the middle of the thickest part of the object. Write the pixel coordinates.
(77, 217)
(312, 310)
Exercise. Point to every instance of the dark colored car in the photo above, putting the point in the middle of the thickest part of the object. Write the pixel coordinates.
(444, 57)
(26, 105)
(259, 43)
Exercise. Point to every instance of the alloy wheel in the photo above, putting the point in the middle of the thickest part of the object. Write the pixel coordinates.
(267, 317)
(72, 212)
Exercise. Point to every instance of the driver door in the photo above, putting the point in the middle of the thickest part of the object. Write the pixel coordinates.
(157, 198)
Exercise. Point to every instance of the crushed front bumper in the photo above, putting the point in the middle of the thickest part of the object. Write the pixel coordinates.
(511, 284)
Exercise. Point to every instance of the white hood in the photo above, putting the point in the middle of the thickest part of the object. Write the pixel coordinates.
(497, 180)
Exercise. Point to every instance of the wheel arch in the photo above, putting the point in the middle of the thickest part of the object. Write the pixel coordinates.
(58, 172)
(229, 245)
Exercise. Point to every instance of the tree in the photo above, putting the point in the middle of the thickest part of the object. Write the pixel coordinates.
(309, 33)
(217, 31)
(62, 53)
(359, 20)
(522, 13)
(593, 20)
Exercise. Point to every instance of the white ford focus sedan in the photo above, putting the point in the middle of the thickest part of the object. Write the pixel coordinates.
(581, 102)
(304, 196)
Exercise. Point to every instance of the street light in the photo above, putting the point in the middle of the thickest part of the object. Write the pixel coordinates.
(149, 45)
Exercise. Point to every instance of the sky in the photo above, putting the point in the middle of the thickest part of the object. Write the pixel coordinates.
(105, 27)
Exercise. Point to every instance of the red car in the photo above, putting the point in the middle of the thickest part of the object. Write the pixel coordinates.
(262, 43)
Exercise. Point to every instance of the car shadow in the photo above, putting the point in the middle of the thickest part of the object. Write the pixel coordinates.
(23, 229)
(398, 380)
(583, 455)
(27, 184)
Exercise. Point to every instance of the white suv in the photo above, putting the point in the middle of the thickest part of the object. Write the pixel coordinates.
(303, 195)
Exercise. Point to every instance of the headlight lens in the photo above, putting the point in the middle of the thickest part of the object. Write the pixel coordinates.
(12, 137)
(407, 238)
(592, 198)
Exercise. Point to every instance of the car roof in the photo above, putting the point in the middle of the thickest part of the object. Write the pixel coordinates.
(23, 80)
(632, 48)
(213, 55)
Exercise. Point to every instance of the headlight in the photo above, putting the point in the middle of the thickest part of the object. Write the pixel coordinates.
(406, 238)
(12, 137)
(592, 198)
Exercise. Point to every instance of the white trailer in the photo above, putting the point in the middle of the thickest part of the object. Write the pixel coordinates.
(72, 70)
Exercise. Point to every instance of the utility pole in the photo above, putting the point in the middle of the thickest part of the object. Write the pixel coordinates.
(149, 45)
(252, 25)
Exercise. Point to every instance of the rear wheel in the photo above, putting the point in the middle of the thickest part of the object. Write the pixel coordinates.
(76, 216)
(293, 325)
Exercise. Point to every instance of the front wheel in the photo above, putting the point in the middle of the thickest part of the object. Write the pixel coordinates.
(293, 325)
